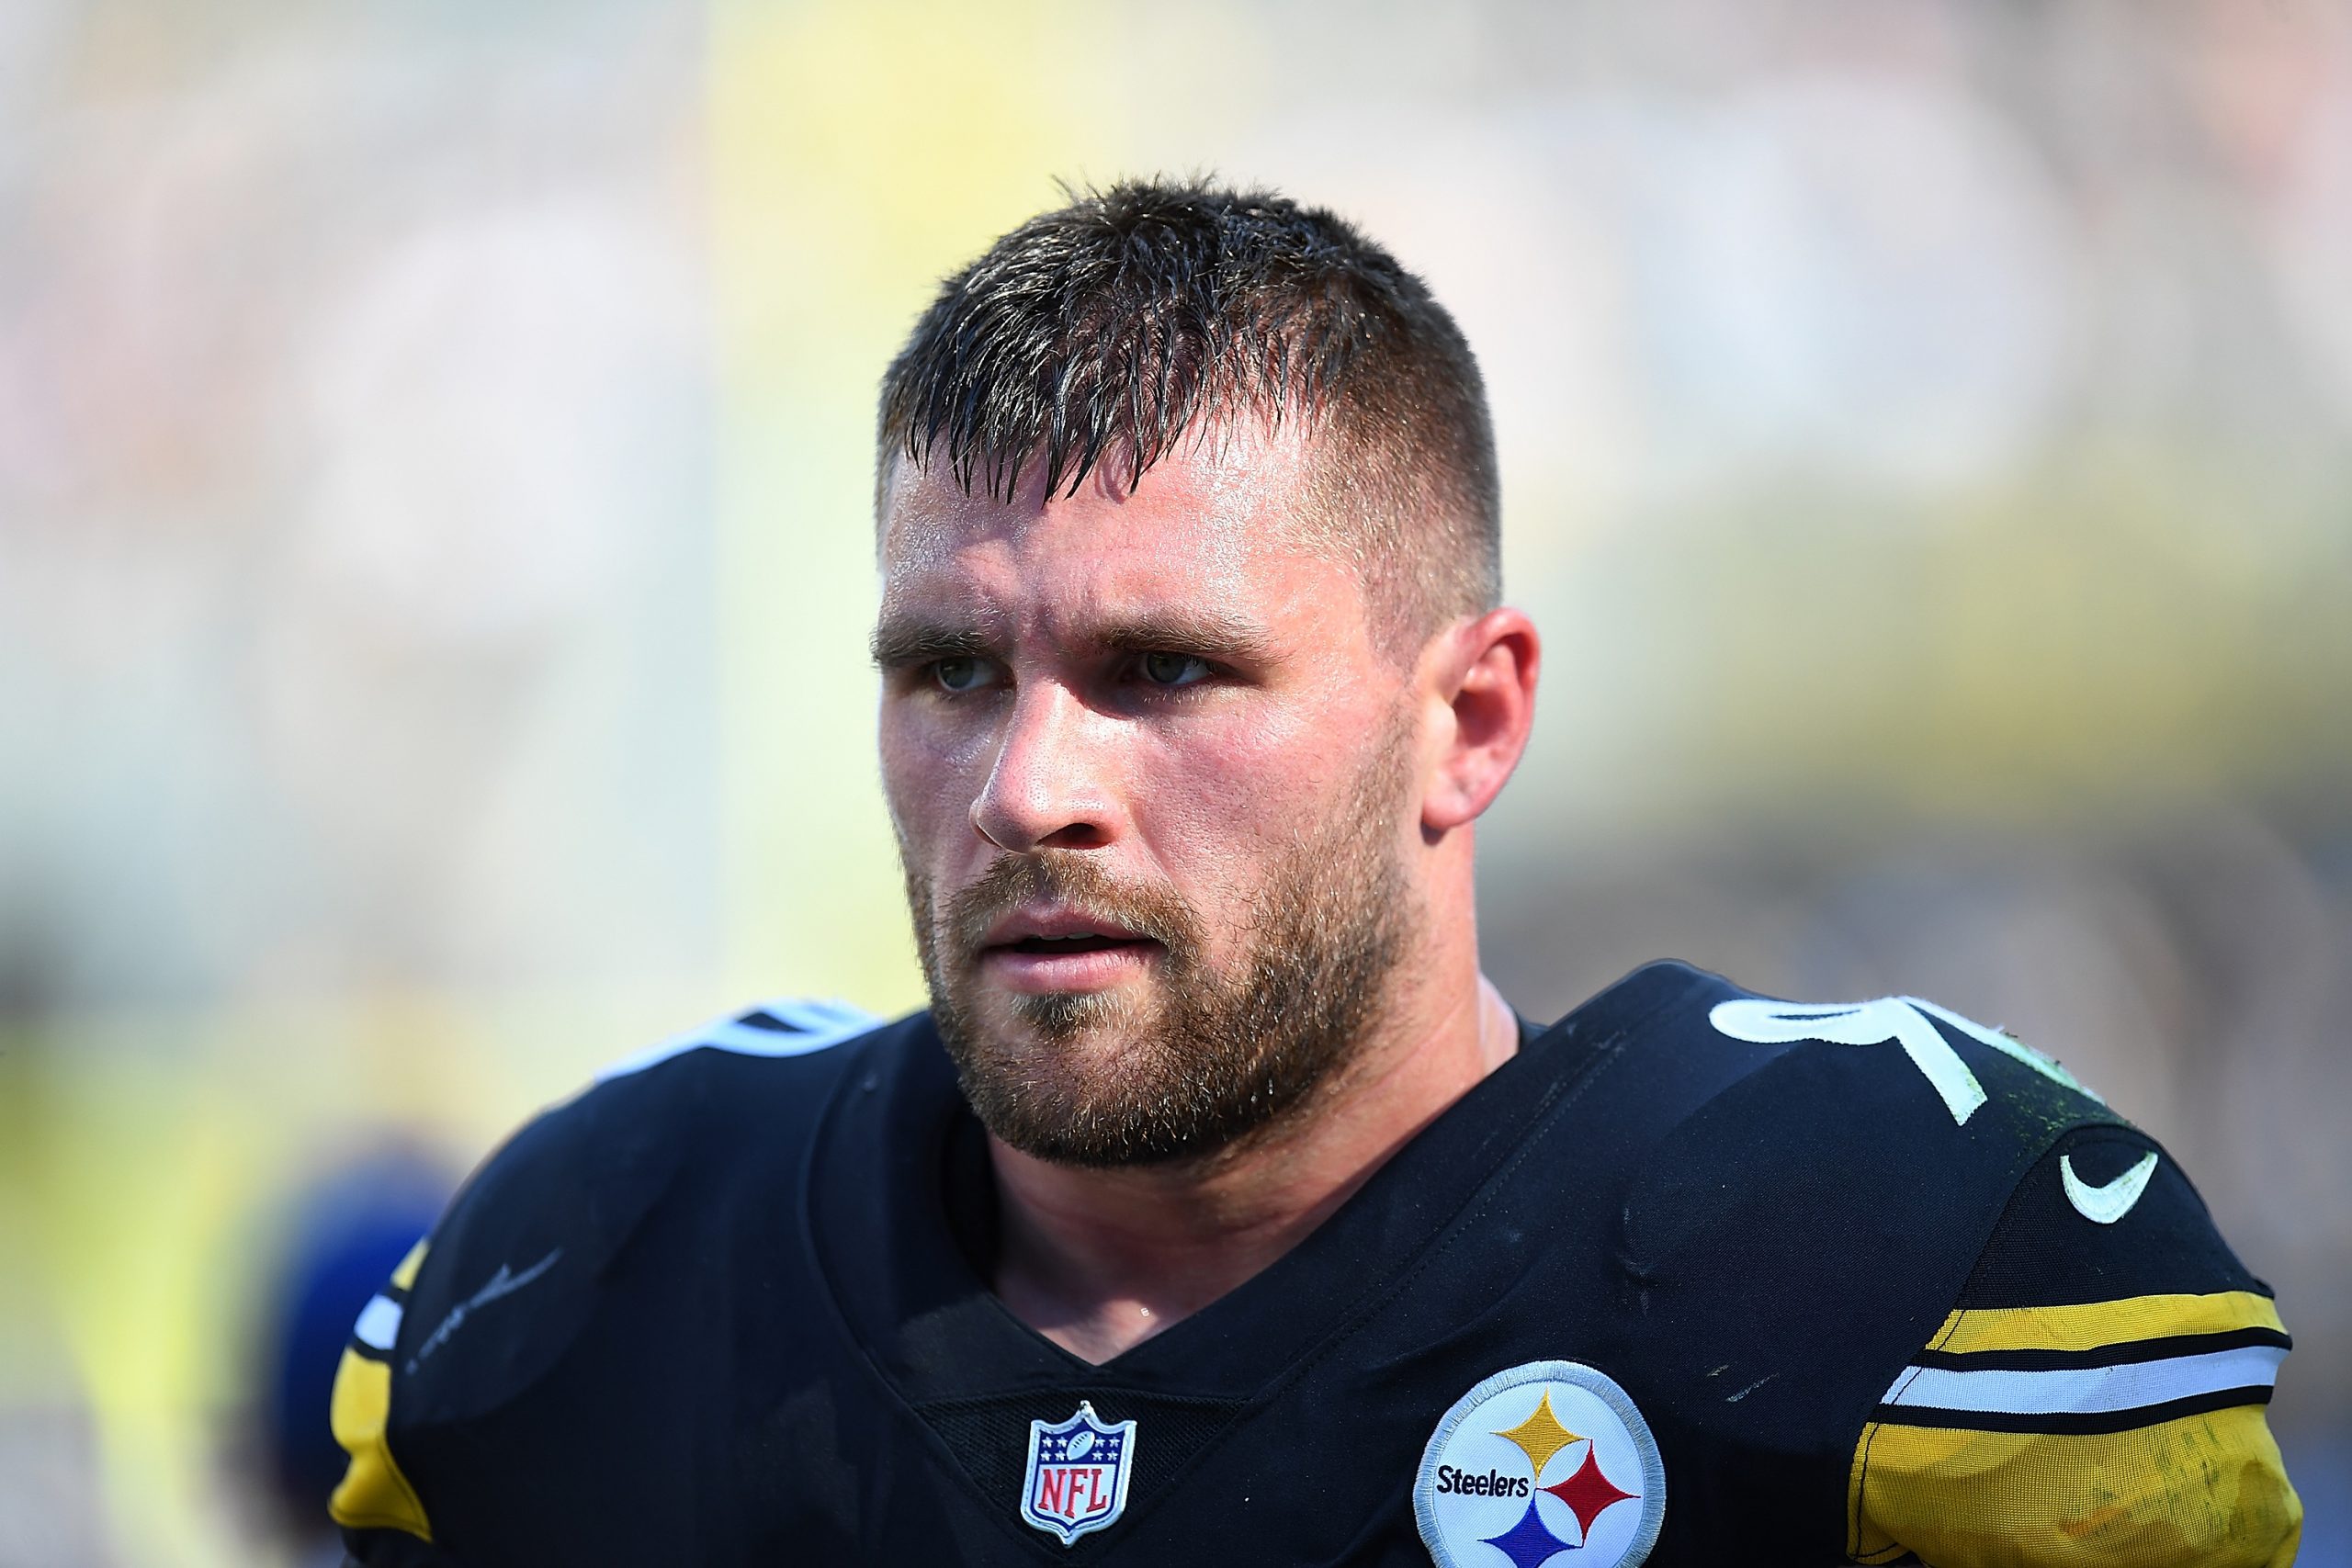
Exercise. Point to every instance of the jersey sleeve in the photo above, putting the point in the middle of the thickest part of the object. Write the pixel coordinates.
(2096, 1397)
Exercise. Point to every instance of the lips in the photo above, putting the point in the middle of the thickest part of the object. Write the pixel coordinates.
(1047, 949)
(1052, 924)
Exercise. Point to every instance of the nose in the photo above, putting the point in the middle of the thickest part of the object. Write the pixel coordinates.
(1047, 788)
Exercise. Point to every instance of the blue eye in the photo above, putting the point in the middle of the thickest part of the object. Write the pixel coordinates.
(960, 674)
(1174, 668)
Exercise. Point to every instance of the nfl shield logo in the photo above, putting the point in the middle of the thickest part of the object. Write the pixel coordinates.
(1077, 1474)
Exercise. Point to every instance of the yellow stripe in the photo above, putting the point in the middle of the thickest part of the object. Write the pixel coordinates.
(405, 1275)
(2206, 1489)
(2093, 1323)
(373, 1494)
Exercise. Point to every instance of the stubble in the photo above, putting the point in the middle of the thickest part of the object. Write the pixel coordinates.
(1199, 1060)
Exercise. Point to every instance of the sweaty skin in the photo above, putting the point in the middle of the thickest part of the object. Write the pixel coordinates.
(1171, 679)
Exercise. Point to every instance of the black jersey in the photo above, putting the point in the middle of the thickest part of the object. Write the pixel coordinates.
(1695, 1278)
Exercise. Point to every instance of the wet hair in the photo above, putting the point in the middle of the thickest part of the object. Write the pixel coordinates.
(1098, 336)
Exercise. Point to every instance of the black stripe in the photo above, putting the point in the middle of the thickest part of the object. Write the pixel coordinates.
(396, 1295)
(759, 1019)
(2069, 1423)
(367, 1352)
(2126, 1354)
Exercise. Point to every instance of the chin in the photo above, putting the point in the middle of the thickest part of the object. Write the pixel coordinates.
(1059, 1018)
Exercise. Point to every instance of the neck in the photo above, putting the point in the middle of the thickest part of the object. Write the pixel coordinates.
(1100, 1260)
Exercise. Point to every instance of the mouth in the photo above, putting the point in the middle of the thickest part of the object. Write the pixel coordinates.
(1090, 943)
(1042, 951)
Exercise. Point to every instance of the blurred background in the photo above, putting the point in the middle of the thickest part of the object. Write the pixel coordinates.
(435, 478)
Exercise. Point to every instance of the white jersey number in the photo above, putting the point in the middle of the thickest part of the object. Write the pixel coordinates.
(1901, 1021)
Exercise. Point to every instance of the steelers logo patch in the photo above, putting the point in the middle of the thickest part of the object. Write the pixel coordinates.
(1547, 1458)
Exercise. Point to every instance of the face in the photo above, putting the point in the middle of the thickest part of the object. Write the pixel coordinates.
(1154, 787)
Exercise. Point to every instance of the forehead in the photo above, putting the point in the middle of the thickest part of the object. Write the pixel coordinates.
(1231, 520)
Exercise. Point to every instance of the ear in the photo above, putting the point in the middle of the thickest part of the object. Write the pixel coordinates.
(1482, 674)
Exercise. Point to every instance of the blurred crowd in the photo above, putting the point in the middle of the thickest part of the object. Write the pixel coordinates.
(435, 466)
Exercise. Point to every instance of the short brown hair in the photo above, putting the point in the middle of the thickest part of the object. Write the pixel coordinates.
(1098, 334)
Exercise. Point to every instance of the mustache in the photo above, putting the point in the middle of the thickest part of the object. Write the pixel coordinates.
(1069, 878)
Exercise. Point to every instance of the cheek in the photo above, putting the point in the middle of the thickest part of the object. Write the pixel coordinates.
(1223, 802)
(924, 774)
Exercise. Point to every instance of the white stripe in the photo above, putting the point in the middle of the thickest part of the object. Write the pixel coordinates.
(822, 1024)
(379, 1322)
(2087, 1390)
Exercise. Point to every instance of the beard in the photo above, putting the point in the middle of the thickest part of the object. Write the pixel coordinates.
(1199, 1060)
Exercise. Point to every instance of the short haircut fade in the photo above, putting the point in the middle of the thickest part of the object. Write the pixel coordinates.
(1098, 335)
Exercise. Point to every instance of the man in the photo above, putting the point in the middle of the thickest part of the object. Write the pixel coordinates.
(1218, 1210)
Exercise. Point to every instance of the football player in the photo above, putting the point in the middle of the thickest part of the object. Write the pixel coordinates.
(1218, 1210)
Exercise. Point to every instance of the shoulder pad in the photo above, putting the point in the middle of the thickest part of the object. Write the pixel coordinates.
(1829, 1178)
(2096, 1394)
(782, 1028)
(516, 1265)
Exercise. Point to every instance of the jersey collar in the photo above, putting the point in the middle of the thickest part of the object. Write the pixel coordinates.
(897, 1156)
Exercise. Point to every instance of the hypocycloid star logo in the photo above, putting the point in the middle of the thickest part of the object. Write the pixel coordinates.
(1541, 1460)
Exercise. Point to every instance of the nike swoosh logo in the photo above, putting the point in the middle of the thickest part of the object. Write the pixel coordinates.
(2105, 1205)
(505, 1282)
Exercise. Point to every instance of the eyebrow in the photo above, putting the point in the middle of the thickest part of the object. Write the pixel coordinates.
(1206, 635)
(901, 642)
